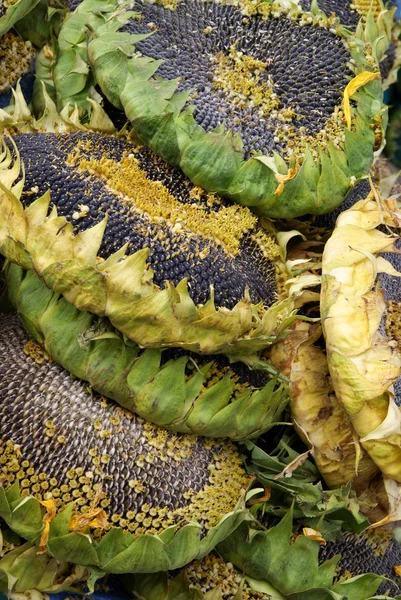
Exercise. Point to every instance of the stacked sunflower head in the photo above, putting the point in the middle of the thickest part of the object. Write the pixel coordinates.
(153, 316)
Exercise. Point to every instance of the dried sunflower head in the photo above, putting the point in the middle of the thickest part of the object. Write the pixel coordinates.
(174, 389)
(95, 485)
(262, 124)
(164, 250)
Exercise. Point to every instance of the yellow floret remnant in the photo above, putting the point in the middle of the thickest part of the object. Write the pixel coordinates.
(393, 321)
(36, 352)
(225, 227)
(15, 59)
(245, 81)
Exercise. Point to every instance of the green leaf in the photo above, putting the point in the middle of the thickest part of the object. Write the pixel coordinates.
(360, 587)
(289, 567)
(16, 11)
(41, 24)
(359, 153)
(270, 556)
(300, 483)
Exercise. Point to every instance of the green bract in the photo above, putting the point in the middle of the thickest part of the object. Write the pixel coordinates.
(117, 551)
(73, 78)
(18, 116)
(24, 571)
(42, 23)
(89, 348)
(92, 50)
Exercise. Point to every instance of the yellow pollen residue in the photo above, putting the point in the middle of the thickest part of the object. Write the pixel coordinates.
(36, 352)
(227, 482)
(15, 59)
(245, 81)
(247, 7)
(50, 429)
(213, 573)
(265, 240)
(212, 200)
(155, 436)
(378, 131)
(392, 322)
(378, 540)
(295, 140)
(225, 227)
(216, 374)
(345, 576)
(251, 8)
(168, 446)
(170, 4)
